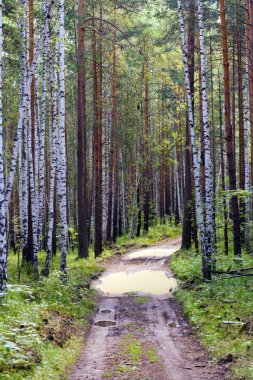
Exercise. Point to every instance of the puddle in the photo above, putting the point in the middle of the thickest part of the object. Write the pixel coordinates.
(153, 252)
(105, 311)
(105, 323)
(144, 281)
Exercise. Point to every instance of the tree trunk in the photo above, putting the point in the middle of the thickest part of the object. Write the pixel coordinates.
(210, 230)
(82, 149)
(97, 146)
(223, 184)
(187, 219)
(206, 265)
(61, 159)
(22, 113)
(229, 134)
(147, 160)
(3, 240)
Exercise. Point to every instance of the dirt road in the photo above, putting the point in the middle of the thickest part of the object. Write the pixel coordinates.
(138, 332)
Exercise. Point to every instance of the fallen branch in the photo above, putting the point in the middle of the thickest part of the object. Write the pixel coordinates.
(235, 276)
(237, 271)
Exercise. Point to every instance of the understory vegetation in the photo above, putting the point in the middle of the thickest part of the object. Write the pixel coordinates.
(220, 310)
(42, 324)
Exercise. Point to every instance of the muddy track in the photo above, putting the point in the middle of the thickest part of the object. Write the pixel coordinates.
(142, 336)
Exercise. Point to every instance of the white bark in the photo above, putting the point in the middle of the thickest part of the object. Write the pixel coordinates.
(24, 105)
(61, 151)
(209, 205)
(36, 152)
(3, 240)
(23, 189)
(32, 190)
(195, 154)
(41, 225)
(122, 194)
(246, 159)
(53, 159)
(24, 177)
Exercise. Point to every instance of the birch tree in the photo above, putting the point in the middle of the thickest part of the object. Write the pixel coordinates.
(61, 148)
(246, 159)
(3, 240)
(206, 267)
(23, 167)
(53, 137)
(23, 107)
(42, 130)
(209, 205)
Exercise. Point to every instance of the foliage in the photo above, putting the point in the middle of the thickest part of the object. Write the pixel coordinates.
(155, 234)
(220, 311)
(40, 322)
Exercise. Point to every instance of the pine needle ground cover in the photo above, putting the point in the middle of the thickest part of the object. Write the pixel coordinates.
(43, 323)
(221, 311)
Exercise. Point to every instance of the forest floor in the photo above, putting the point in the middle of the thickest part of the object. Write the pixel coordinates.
(138, 331)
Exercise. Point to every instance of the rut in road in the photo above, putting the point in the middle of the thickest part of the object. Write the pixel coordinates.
(138, 332)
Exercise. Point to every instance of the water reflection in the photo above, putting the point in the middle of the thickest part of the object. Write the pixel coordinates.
(153, 252)
(143, 281)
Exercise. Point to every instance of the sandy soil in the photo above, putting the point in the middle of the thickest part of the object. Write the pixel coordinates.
(142, 336)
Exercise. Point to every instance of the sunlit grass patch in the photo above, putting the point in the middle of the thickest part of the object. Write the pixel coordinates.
(220, 311)
(155, 234)
(42, 323)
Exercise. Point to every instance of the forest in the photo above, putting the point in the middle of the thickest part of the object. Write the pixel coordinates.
(126, 149)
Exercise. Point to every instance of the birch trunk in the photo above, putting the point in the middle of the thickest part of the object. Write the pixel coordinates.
(246, 159)
(3, 239)
(209, 205)
(188, 188)
(32, 215)
(23, 184)
(22, 112)
(195, 154)
(61, 163)
(41, 200)
(53, 64)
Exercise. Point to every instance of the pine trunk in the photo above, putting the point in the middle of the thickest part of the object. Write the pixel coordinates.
(82, 165)
(229, 135)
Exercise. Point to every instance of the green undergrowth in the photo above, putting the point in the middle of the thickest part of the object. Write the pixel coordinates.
(220, 311)
(43, 323)
(155, 234)
(133, 357)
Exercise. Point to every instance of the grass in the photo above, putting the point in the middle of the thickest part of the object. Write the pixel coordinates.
(40, 321)
(134, 354)
(43, 323)
(156, 234)
(141, 300)
(152, 355)
(220, 311)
